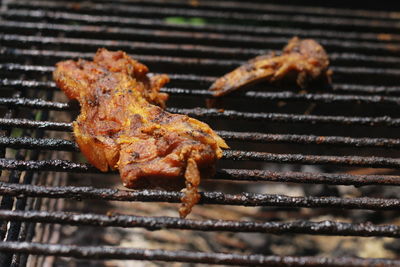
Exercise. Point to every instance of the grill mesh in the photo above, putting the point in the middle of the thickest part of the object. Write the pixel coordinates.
(348, 134)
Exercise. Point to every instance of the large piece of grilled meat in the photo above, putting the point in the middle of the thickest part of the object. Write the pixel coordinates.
(122, 126)
(302, 62)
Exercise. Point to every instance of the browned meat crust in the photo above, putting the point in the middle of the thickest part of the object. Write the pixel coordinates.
(302, 62)
(119, 126)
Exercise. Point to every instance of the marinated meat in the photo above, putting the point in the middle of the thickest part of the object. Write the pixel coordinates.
(302, 62)
(122, 125)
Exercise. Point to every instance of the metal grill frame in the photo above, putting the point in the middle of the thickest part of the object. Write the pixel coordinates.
(351, 47)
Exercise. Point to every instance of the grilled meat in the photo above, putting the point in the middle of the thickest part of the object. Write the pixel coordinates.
(122, 126)
(302, 62)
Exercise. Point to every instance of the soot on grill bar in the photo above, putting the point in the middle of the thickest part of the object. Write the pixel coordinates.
(306, 94)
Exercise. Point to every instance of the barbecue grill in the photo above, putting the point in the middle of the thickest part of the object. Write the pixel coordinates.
(338, 145)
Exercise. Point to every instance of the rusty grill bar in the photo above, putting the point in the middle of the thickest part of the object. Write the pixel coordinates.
(361, 43)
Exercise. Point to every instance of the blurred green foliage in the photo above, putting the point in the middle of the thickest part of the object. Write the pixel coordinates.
(185, 21)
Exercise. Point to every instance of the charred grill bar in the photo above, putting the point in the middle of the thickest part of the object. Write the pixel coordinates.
(364, 49)
(245, 199)
(185, 256)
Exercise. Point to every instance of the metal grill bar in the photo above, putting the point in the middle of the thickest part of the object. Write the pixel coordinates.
(25, 123)
(307, 177)
(239, 155)
(205, 38)
(206, 80)
(310, 139)
(229, 114)
(281, 117)
(57, 54)
(244, 199)
(265, 7)
(214, 63)
(14, 228)
(26, 68)
(101, 252)
(132, 45)
(276, 42)
(34, 143)
(270, 96)
(143, 11)
(366, 89)
(224, 174)
(376, 162)
(27, 84)
(205, 64)
(202, 37)
(60, 144)
(48, 165)
(7, 202)
(62, 165)
(17, 230)
(25, 231)
(38, 84)
(34, 103)
(158, 223)
(247, 32)
(190, 49)
(10, 232)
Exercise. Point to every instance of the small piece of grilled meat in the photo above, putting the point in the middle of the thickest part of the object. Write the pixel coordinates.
(302, 62)
(122, 126)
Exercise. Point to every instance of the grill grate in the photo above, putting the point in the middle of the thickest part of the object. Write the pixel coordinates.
(356, 121)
